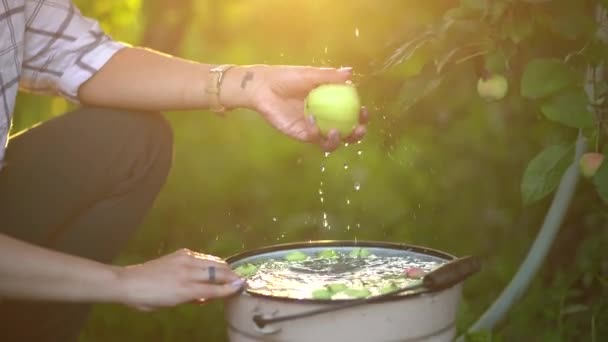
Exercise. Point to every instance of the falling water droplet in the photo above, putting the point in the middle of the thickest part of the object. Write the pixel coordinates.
(345, 166)
(322, 168)
(358, 225)
(325, 222)
(327, 154)
(326, 49)
(274, 219)
(322, 200)
(357, 186)
(348, 227)
(359, 152)
(346, 144)
(357, 32)
(347, 201)
(320, 191)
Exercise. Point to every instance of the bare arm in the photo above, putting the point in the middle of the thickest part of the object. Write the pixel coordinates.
(143, 79)
(33, 273)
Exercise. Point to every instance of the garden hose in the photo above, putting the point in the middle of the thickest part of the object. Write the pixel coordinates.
(539, 249)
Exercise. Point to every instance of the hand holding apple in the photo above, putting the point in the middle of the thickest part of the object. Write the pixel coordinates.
(334, 106)
(310, 104)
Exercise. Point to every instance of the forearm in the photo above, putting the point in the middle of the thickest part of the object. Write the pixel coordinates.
(34, 273)
(142, 79)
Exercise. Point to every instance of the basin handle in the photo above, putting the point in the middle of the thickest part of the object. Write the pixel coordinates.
(443, 277)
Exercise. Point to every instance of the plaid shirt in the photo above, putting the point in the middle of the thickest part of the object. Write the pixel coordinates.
(46, 46)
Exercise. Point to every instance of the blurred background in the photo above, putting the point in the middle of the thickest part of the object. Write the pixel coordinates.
(445, 173)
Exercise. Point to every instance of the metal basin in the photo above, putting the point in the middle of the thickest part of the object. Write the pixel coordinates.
(420, 314)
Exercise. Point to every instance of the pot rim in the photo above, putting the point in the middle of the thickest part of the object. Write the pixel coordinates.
(338, 243)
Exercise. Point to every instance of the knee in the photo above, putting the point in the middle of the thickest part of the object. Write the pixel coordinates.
(159, 139)
(142, 142)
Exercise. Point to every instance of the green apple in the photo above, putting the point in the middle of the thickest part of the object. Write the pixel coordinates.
(322, 294)
(334, 106)
(328, 254)
(357, 292)
(359, 253)
(337, 287)
(493, 88)
(246, 270)
(296, 256)
(589, 163)
(389, 288)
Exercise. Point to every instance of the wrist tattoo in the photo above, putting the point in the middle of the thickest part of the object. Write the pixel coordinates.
(248, 77)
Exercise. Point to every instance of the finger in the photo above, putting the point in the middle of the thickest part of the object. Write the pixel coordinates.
(313, 132)
(213, 275)
(357, 134)
(363, 115)
(332, 142)
(318, 76)
(217, 291)
(208, 257)
(199, 264)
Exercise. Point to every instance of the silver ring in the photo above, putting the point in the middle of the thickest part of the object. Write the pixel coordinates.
(211, 270)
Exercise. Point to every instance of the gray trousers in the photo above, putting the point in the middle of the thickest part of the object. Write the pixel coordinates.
(79, 183)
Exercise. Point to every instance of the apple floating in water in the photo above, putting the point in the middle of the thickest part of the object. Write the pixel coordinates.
(246, 270)
(492, 88)
(334, 106)
(296, 256)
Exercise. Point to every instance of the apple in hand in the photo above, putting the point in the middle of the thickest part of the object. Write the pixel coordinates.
(492, 88)
(589, 163)
(334, 106)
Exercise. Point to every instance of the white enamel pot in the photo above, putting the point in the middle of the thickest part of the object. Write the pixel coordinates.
(425, 313)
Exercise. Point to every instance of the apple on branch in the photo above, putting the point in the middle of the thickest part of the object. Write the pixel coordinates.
(589, 163)
(493, 87)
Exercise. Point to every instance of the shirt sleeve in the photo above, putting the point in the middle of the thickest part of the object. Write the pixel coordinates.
(62, 48)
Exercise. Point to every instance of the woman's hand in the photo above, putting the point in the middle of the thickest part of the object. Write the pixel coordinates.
(278, 94)
(181, 277)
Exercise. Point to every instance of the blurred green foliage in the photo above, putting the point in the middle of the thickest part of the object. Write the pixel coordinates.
(439, 167)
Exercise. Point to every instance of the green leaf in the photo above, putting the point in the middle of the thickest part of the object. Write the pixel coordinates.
(544, 77)
(570, 20)
(600, 179)
(569, 108)
(545, 171)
